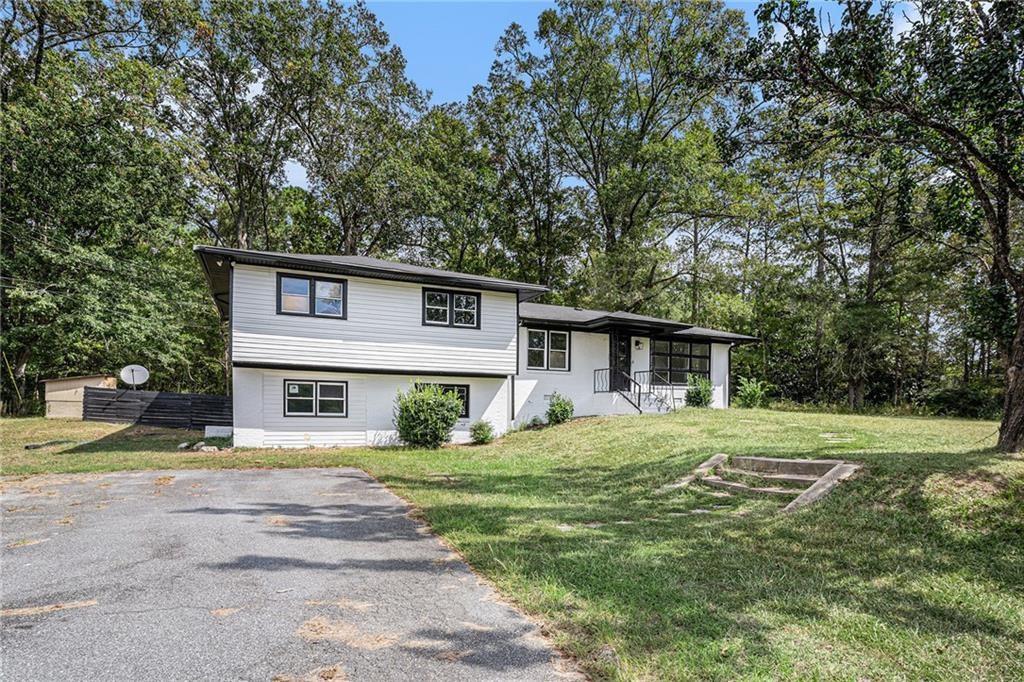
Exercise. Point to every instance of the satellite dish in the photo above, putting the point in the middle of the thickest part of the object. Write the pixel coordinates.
(134, 375)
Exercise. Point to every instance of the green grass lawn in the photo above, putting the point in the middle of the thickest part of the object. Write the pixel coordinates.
(913, 569)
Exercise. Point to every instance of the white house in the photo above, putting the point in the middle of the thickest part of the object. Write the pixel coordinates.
(320, 346)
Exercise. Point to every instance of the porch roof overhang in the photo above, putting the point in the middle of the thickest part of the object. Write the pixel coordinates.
(598, 321)
(602, 321)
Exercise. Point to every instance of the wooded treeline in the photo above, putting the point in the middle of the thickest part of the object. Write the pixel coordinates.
(847, 188)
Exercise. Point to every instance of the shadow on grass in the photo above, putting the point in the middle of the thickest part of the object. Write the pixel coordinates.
(138, 438)
(874, 551)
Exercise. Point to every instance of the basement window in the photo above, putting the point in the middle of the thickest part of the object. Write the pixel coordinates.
(315, 398)
(460, 390)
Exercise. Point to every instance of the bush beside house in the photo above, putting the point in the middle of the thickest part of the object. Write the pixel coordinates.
(425, 415)
(698, 393)
(560, 409)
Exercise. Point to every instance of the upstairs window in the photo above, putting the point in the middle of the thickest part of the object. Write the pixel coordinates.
(451, 308)
(461, 391)
(677, 362)
(315, 398)
(547, 349)
(313, 296)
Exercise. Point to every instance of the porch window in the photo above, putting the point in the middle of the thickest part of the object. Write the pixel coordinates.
(677, 362)
(547, 349)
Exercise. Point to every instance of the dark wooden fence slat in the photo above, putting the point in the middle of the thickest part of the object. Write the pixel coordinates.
(156, 408)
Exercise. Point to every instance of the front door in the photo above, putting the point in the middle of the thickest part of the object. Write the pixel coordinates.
(619, 361)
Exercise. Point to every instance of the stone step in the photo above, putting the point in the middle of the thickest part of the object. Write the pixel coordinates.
(805, 479)
(771, 465)
(718, 482)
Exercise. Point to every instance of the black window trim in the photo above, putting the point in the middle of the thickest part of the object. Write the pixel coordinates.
(313, 279)
(465, 406)
(316, 398)
(547, 349)
(689, 355)
(451, 294)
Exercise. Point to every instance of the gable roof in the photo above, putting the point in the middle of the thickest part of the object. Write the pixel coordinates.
(214, 258)
(585, 319)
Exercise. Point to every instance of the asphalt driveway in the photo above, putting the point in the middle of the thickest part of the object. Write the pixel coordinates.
(244, 575)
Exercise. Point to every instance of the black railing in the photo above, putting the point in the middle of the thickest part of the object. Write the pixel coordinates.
(602, 380)
(658, 385)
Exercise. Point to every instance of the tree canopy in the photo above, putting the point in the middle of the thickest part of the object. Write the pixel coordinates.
(845, 184)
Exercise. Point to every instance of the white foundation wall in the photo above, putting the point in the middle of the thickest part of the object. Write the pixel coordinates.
(384, 329)
(259, 421)
(587, 352)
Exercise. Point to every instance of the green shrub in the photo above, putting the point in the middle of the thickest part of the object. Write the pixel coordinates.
(560, 409)
(698, 392)
(481, 432)
(426, 415)
(751, 393)
(975, 400)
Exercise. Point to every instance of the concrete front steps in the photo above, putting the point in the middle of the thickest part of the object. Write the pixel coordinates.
(803, 481)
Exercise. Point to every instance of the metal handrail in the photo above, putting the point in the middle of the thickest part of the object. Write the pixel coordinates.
(645, 378)
(602, 380)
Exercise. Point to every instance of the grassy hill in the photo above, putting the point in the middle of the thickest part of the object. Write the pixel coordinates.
(913, 569)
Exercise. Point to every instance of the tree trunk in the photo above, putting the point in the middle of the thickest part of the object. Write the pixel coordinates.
(1011, 429)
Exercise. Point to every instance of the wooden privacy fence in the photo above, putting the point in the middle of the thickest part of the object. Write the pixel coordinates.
(156, 408)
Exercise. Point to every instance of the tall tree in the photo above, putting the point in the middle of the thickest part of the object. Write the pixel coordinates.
(617, 86)
(334, 74)
(238, 139)
(95, 257)
(949, 86)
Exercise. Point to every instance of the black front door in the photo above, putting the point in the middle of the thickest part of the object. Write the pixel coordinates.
(619, 361)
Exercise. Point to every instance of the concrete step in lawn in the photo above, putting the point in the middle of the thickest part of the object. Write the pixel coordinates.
(800, 479)
(718, 482)
(773, 465)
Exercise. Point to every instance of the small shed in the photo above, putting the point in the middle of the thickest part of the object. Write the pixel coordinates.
(64, 396)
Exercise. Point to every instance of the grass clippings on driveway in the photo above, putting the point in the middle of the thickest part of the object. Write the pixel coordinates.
(912, 569)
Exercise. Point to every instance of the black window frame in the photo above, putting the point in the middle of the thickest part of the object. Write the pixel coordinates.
(313, 279)
(453, 388)
(316, 398)
(689, 355)
(547, 331)
(451, 294)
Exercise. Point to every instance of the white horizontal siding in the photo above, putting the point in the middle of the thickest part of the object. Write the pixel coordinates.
(384, 329)
(259, 419)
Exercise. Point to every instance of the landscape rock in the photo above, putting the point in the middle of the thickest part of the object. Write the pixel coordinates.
(182, 446)
(199, 446)
(209, 448)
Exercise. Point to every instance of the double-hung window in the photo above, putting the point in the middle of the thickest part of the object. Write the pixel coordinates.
(677, 362)
(461, 391)
(547, 349)
(315, 398)
(315, 296)
(444, 308)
